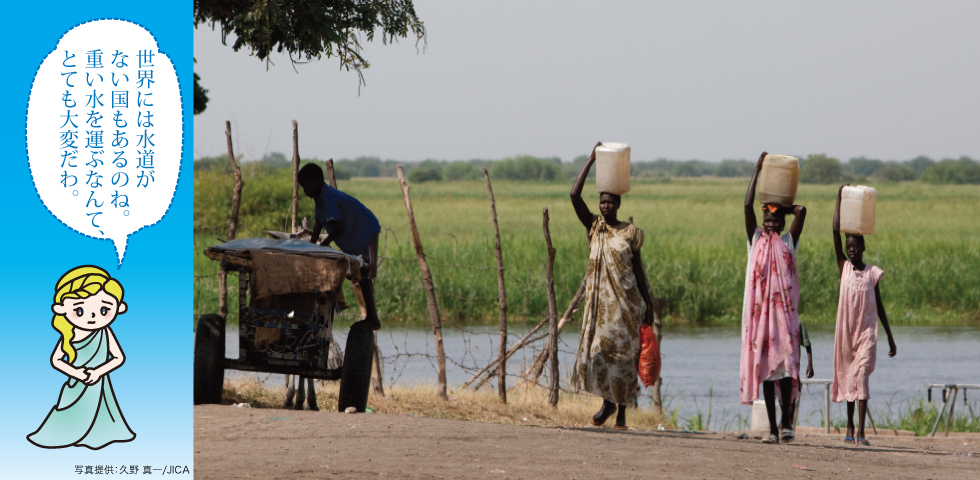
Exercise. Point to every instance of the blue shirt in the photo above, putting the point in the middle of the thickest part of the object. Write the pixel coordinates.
(357, 222)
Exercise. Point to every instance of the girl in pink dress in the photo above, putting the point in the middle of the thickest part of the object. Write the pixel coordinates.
(856, 335)
(770, 325)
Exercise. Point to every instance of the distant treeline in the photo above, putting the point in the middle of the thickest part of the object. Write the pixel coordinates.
(815, 168)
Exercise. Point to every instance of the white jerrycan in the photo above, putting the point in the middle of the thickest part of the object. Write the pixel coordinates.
(857, 209)
(612, 171)
(778, 180)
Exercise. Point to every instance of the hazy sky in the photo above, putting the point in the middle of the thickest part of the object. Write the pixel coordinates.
(682, 80)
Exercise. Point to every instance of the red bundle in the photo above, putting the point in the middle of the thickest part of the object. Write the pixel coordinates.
(649, 367)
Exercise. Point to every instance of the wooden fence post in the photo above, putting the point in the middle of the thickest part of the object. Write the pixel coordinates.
(552, 314)
(532, 374)
(236, 200)
(331, 176)
(295, 176)
(295, 223)
(378, 369)
(430, 291)
(236, 197)
(658, 309)
(502, 296)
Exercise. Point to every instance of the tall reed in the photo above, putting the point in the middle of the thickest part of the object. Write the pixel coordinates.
(927, 241)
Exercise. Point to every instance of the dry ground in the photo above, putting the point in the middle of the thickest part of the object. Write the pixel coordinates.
(231, 442)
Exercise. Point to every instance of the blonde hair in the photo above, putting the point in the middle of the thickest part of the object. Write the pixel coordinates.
(80, 282)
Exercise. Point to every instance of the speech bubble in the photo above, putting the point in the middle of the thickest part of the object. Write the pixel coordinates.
(105, 131)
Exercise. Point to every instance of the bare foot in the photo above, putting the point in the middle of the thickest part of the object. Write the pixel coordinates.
(621, 418)
(604, 413)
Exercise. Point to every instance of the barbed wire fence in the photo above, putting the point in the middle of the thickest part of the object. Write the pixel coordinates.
(465, 278)
(462, 290)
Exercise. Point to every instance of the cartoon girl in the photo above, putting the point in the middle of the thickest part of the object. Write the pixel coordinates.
(86, 301)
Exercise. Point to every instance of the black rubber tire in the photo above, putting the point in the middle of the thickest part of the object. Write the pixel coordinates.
(209, 358)
(355, 381)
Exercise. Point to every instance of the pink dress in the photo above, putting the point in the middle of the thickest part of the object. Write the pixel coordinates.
(856, 335)
(770, 324)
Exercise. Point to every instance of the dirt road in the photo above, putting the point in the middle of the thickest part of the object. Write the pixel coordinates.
(232, 442)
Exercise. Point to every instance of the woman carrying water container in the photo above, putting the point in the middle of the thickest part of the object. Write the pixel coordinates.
(770, 325)
(616, 290)
(858, 310)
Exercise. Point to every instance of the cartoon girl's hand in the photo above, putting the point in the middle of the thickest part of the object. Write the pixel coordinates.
(81, 374)
(93, 377)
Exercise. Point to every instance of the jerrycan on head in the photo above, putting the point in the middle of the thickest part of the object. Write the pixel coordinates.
(778, 179)
(857, 209)
(612, 172)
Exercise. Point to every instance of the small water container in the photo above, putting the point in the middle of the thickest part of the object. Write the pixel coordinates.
(857, 209)
(778, 179)
(759, 421)
(612, 171)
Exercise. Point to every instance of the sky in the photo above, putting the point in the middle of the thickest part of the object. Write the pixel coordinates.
(705, 80)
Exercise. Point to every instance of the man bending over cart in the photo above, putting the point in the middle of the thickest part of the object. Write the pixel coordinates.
(352, 227)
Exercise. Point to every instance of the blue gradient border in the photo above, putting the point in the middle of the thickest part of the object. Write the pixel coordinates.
(154, 386)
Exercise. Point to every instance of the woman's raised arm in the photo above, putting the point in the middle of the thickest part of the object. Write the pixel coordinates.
(750, 222)
(838, 247)
(581, 209)
(799, 218)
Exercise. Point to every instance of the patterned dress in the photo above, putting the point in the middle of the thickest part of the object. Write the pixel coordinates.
(856, 334)
(606, 363)
(770, 322)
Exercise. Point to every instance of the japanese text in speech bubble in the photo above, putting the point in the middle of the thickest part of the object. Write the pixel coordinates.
(104, 130)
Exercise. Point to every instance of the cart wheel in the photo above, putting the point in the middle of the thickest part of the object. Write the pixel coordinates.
(355, 381)
(209, 357)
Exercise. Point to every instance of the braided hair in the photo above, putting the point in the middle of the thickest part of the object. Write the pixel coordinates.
(80, 282)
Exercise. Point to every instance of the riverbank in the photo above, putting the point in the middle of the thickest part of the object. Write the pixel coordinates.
(232, 442)
(700, 371)
(525, 406)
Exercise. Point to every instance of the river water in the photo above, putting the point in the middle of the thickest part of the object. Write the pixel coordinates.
(700, 366)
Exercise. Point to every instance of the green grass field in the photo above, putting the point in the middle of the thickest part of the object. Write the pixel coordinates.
(927, 240)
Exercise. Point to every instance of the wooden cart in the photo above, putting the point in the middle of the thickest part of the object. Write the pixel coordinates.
(287, 293)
